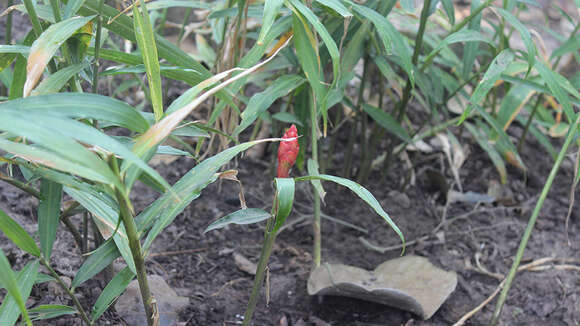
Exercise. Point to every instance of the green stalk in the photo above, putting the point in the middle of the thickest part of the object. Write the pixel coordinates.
(126, 215)
(182, 30)
(8, 37)
(74, 83)
(68, 291)
(529, 122)
(97, 47)
(532, 222)
(33, 17)
(21, 185)
(402, 104)
(316, 226)
(269, 239)
(358, 110)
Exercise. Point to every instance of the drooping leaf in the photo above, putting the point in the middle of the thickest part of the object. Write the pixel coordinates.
(240, 217)
(113, 290)
(11, 284)
(524, 33)
(96, 262)
(48, 215)
(146, 41)
(58, 80)
(363, 193)
(50, 311)
(260, 102)
(493, 73)
(10, 310)
(388, 122)
(491, 152)
(18, 235)
(46, 46)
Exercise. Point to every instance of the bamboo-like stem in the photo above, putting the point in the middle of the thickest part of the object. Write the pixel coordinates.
(269, 239)
(65, 287)
(532, 221)
(97, 47)
(36, 26)
(21, 185)
(126, 214)
(358, 111)
(316, 225)
(401, 107)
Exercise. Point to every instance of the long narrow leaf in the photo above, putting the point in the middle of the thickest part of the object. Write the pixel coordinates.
(113, 290)
(146, 41)
(46, 46)
(26, 278)
(97, 261)
(363, 193)
(48, 215)
(18, 235)
(10, 283)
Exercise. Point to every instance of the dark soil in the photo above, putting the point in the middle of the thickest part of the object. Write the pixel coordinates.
(218, 290)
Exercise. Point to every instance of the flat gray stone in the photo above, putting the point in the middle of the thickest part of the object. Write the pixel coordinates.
(129, 306)
(409, 283)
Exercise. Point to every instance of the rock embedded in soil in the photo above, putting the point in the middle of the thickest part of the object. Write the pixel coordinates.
(409, 283)
(130, 307)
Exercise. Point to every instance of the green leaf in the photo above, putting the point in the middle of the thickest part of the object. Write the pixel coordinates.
(56, 81)
(72, 6)
(49, 311)
(46, 46)
(113, 290)
(283, 201)
(312, 167)
(512, 104)
(240, 217)
(287, 117)
(164, 210)
(493, 73)
(162, 4)
(260, 102)
(10, 283)
(449, 10)
(388, 122)
(48, 215)
(337, 6)
(390, 36)
(18, 235)
(96, 262)
(146, 41)
(10, 310)
(363, 193)
(524, 33)
(106, 217)
(81, 106)
(271, 9)
(18, 79)
(464, 35)
(13, 49)
(571, 45)
(551, 79)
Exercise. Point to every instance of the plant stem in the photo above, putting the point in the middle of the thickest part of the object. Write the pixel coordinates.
(402, 105)
(97, 47)
(33, 17)
(529, 122)
(125, 212)
(269, 239)
(182, 29)
(358, 110)
(532, 221)
(316, 226)
(21, 185)
(65, 287)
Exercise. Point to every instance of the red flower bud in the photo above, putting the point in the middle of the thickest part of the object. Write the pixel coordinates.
(287, 152)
